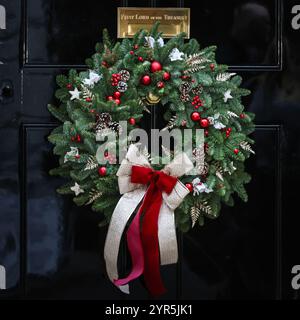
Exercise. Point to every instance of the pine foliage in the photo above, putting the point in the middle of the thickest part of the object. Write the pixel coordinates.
(196, 74)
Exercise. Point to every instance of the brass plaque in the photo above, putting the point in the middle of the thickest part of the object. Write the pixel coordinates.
(172, 21)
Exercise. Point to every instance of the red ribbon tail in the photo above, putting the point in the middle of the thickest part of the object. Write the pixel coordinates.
(136, 250)
(151, 247)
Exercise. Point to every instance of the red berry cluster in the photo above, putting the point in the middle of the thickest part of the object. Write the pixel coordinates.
(197, 102)
(228, 132)
(115, 78)
(104, 64)
(115, 97)
(185, 77)
(76, 138)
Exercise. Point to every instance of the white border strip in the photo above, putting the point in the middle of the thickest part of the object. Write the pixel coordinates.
(2, 278)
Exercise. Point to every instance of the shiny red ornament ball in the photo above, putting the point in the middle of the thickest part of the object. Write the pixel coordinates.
(78, 138)
(242, 116)
(117, 102)
(189, 186)
(135, 47)
(131, 52)
(160, 85)
(77, 156)
(204, 123)
(131, 121)
(166, 76)
(109, 98)
(155, 66)
(140, 59)
(146, 80)
(69, 86)
(104, 63)
(236, 151)
(195, 116)
(117, 95)
(102, 171)
(212, 67)
(88, 99)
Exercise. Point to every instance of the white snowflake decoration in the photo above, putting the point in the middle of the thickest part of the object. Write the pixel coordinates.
(77, 189)
(200, 187)
(151, 41)
(176, 55)
(214, 121)
(93, 79)
(227, 96)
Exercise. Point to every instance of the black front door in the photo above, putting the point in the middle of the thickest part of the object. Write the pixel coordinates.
(51, 249)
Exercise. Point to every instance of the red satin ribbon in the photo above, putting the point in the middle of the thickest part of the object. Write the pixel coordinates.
(143, 242)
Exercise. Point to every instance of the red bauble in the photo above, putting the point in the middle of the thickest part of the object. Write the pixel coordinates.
(204, 123)
(160, 85)
(117, 101)
(140, 59)
(131, 52)
(189, 186)
(131, 121)
(195, 116)
(77, 156)
(146, 80)
(69, 86)
(166, 76)
(155, 66)
(206, 133)
(78, 138)
(102, 171)
(135, 47)
(242, 116)
(88, 99)
(109, 98)
(236, 151)
(212, 67)
(117, 95)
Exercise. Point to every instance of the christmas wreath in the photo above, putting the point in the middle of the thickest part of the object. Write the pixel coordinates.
(121, 81)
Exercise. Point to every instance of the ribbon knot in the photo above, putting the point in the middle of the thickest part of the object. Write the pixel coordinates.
(143, 175)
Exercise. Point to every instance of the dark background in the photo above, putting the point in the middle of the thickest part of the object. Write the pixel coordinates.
(54, 250)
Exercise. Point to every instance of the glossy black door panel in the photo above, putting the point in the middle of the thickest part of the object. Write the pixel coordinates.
(9, 107)
(54, 36)
(247, 33)
(61, 244)
(236, 260)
